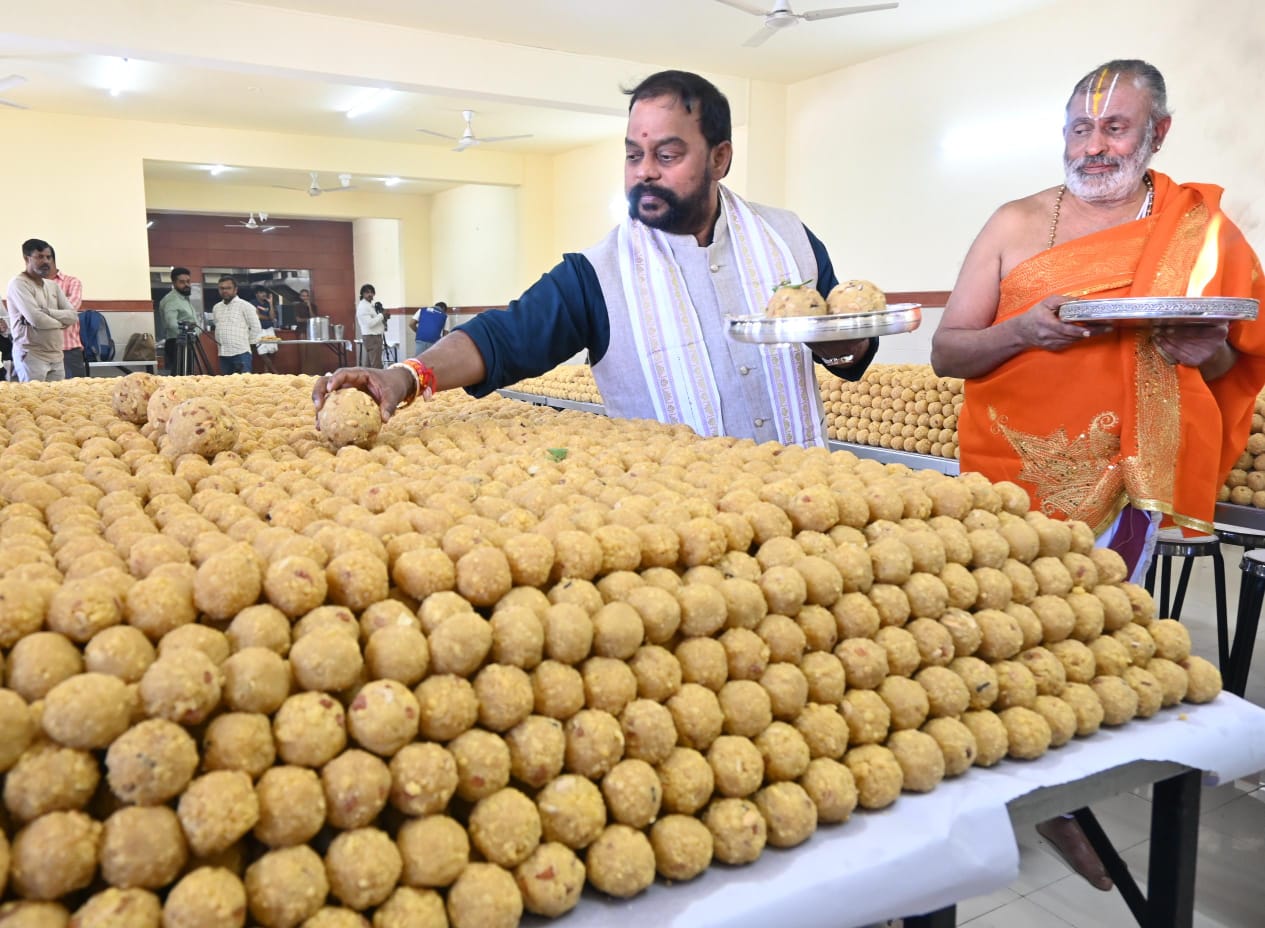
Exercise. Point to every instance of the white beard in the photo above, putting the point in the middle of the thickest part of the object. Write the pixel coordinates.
(1115, 185)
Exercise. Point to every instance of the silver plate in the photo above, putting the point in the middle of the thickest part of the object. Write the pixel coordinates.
(763, 330)
(1171, 310)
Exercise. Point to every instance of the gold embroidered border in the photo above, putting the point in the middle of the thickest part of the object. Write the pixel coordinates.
(772, 356)
(1093, 269)
(788, 369)
(1155, 505)
(697, 368)
(1150, 473)
(1172, 275)
(1079, 476)
(655, 356)
(695, 352)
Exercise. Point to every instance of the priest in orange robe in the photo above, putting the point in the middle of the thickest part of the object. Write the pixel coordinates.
(1117, 425)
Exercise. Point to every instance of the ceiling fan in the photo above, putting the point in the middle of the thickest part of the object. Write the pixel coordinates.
(314, 189)
(262, 225)
(468, 138)
(8, 83)
(782, 17)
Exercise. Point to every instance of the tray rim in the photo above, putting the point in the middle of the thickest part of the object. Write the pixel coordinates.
(895, 319)
(1162, 309)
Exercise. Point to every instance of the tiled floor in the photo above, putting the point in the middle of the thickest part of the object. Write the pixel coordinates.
(1230, 880)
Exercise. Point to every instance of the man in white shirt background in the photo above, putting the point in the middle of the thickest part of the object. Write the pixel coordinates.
(372, 322)
(236, 329)
(38, 316)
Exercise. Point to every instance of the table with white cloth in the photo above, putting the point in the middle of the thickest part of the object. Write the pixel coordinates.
(928, 851)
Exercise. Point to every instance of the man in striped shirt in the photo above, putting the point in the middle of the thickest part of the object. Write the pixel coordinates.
(71, 344)
(236, 329)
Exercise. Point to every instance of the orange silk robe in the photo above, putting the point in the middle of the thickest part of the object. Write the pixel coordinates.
(1108, 422)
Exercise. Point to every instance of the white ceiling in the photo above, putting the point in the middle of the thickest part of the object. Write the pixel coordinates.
(701, 35)
(239, 175)
(207, 80)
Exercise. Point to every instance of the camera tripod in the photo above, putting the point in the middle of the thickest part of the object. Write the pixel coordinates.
(190, 356)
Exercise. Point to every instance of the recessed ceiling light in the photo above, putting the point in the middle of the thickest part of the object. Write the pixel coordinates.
(370, 100)
(119, 78)
(390, 181)
(217, 169)
(149, 224)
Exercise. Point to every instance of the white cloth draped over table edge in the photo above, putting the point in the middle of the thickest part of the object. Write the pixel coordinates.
(927, 850)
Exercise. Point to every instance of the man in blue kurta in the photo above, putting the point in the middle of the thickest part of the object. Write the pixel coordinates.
(650, 301)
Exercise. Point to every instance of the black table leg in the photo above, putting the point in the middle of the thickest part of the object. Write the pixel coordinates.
(1251, 596)
(1166, 576)
(1174, 849)
(1223, 633)
(1116, 868)
(941, 918)
(1183, 580)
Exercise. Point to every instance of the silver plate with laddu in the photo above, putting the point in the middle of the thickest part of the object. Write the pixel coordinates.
(766, 330)
(1161, 310)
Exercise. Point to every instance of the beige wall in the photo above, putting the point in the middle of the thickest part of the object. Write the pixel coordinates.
(475, 246)
(378, 259)
(81, 185)
(537, 248)
(589, 185)
(867, 164)
(760, 172)
(68, 183)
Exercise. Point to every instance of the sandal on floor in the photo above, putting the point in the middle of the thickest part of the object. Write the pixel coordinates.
(1069, 840)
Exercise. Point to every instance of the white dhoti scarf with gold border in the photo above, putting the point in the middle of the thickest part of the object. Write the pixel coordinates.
(670, 322)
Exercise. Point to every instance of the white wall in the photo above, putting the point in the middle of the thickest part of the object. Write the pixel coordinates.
(376, 260)
(590, 194)
(475, 246)
(867, 166)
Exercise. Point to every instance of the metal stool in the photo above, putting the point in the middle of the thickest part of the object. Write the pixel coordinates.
(1235, 665)
(1172, 544)
(1249, 540)
(1239, 536)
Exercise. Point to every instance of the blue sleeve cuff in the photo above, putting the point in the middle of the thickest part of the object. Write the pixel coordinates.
(561, 314)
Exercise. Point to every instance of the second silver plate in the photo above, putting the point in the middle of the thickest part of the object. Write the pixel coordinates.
(1171, 310)
(763, 330)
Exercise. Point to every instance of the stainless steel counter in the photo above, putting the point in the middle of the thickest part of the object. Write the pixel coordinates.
(885, 455)
(553, 402)
(1248, 517)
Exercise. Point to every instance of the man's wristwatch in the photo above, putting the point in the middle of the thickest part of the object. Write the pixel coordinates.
(838, 362)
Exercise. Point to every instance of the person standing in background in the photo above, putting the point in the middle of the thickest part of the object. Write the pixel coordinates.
(236, 329)
(6, 346)
(72, 344)
(38, 312)
(174, 308)
(372, 322)
(305, 309)
(268, 328)
(428, 324)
